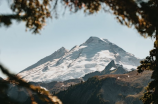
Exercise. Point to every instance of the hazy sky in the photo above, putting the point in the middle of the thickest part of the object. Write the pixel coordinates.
(20, 49)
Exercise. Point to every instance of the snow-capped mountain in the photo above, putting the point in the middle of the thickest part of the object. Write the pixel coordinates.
(93, 55)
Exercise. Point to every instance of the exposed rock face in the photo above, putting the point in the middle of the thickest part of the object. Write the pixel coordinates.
(93, 55)
(88, 60)
(104, 89)
(22, 95)
(111, 68)
(108, 89)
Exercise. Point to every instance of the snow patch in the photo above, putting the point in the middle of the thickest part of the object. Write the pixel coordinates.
(93, 55)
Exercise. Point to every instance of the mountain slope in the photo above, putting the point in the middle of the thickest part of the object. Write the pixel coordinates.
(108, 89)
(111, 68)
(93, 55)
(56, 55)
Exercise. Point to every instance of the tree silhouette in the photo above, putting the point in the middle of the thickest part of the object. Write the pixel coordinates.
(140, 14)
(33, 12)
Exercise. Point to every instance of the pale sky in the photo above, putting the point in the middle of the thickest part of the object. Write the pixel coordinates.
(20, 49)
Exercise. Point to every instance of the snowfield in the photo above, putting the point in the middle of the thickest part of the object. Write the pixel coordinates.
(93, 55)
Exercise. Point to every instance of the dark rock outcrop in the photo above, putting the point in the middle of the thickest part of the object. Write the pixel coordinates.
(111, 68)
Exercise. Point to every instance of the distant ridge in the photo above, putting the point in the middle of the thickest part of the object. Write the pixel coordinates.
(108, 89)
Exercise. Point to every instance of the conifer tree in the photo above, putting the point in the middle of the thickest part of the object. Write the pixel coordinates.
(140, 14)
(143, 16)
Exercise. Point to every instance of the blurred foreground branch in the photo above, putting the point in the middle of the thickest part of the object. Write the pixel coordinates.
(42, 93)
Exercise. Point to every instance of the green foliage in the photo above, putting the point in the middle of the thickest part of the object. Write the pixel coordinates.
(150, 63)
(141, 14)
(33, 12)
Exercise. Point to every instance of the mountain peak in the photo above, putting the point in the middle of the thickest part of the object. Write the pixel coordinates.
(109, 66)
(56, 55)
(112, 62)
(60, 52)
(93, 39)
(62, 49)
(93, 55)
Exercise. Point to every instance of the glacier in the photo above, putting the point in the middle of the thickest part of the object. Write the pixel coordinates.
(92, 55)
